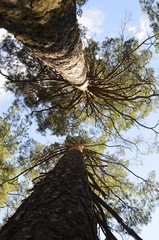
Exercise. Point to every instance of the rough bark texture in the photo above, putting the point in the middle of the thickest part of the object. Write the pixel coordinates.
(50, 29)
(59, 208)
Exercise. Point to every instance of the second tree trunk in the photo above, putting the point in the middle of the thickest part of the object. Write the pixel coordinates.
(59, 208)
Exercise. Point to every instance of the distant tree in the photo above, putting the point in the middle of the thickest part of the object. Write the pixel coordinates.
(15, 149)
(12, 131)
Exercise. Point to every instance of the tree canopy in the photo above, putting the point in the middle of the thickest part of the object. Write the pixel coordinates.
(122, 87)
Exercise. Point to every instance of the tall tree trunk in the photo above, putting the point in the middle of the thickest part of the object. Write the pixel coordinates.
(50, 29)
(59, 208)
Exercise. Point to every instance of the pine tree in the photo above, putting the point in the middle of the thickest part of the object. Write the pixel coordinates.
(59, 208)
(130, 207)
(122, 87)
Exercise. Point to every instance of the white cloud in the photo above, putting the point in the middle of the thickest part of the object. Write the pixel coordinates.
(93, 20)
(3, 94)
(141, 31)
(3, 33)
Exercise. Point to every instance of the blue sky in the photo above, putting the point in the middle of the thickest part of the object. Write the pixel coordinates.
(105, 19)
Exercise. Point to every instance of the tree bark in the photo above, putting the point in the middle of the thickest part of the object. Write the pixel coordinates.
(50, 29)
(60, 207)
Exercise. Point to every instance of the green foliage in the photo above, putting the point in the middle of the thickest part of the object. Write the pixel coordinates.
(151, 7)
(80, 3)
(16, 152)
(87, 139)
(121, 83)
(118, 197)
(12, 130)
(122, 88)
